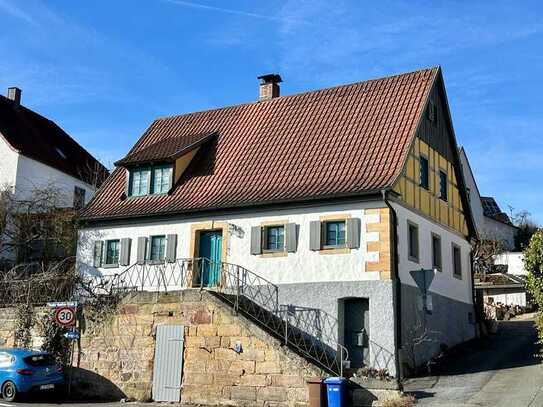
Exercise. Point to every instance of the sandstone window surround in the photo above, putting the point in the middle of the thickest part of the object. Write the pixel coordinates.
(111, 253)
(274, 238)
(157, 249)
(334, 234)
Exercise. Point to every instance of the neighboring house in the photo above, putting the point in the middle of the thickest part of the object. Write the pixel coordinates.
(504, 288)
(491, 222)
(507, 284)
(37, 155)
(514, 262)
(334, 195)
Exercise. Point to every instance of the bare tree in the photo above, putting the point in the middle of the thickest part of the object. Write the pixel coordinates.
(484, 253)
(36, 227)
(526, 227)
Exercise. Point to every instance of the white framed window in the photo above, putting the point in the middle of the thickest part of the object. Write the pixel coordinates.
(273, 238)
(334, 233)
(413, 241)
(112, 252)
(437, 262)
(157, 248)
(457, 260)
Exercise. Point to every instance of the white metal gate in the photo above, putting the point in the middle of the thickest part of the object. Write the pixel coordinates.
(168, 365)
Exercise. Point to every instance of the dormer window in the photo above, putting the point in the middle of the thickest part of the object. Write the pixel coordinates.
(162, 179)
(150, 180)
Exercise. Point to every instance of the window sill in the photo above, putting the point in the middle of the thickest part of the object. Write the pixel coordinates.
(413, 259)
(273, 253)
(335, 250)
(110, 266)
(457, 276)
(155, 262)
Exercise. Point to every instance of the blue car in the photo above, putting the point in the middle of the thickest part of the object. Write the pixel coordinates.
(24, 370)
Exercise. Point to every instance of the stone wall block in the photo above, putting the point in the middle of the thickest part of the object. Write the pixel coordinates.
(194, 366)
(207, 330)
(201, 317)
(195, 341)
(243, 393)
(225, 354)
(197, 354)
(298, 394)
(271, 393)
(212, 342)
(255, 380)
(291, 381)
(229, 330)
(241, 367)
(268, 368)
(198, 378)
(253, 354)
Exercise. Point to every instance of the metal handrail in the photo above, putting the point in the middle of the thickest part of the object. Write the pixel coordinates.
(311, 331)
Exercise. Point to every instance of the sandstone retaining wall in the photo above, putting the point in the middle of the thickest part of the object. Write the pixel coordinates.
(115, 359)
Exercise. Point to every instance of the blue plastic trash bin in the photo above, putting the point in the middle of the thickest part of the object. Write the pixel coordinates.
(336, 391)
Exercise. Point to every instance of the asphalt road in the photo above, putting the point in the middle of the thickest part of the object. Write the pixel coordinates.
(502, 371)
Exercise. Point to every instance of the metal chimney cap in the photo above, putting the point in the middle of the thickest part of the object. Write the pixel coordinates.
(14, 93)
(270, 78)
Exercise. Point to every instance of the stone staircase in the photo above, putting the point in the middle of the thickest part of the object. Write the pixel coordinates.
(311, 333)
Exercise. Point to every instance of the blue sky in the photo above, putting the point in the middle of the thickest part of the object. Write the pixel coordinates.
(104, 69)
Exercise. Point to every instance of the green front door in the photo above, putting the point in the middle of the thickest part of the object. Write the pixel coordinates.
(211, 249)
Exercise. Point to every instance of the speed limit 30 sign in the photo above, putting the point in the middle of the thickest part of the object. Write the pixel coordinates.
(65, 316)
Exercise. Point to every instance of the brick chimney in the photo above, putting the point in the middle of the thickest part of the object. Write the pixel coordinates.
(269, 86)
(14, 94)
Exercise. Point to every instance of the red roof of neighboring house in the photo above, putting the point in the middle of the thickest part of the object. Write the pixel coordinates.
(42, 140)
(342, 141)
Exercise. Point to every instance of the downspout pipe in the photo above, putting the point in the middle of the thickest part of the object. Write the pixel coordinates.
(397, 286)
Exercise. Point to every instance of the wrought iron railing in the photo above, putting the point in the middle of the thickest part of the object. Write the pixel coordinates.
(310, 331)
(316, 332)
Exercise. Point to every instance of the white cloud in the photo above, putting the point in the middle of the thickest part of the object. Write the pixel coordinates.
(14, 11)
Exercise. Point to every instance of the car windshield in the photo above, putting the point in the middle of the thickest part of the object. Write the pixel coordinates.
(40, 360)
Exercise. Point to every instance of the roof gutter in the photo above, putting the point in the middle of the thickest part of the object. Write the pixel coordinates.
(397, 287)
(374, 194)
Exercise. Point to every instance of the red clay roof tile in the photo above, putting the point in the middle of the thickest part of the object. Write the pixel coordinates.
(341, 141)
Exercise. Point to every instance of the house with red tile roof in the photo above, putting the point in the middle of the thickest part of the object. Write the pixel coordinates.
(347, 203)
(490, 221)
(37, 155)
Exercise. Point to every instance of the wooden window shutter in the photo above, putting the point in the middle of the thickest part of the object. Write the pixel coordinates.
(171, 247)
(315, 235)
(353, 233)
(97, 255)
(256, 240)
(290, 237)
(125, 251)
(142, 249)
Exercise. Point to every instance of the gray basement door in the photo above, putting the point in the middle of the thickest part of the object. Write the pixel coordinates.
(168, 365)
